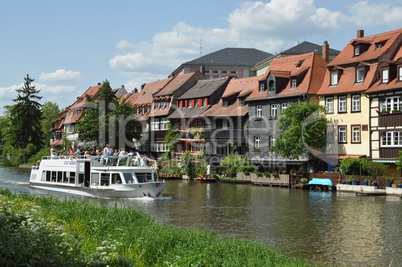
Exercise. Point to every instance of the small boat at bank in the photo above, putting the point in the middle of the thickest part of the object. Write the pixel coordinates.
(109, 177)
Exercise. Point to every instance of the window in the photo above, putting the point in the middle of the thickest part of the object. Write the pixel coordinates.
(271, 141)
(190, 103)
(241, 102)
(384, 76)
(355, 134)
(257, 143)
(299, 63)
(392, 138)
(357, 50)
(342, 134)
(164, 124)
(216, 71)
(274, 111)
(284, 106)
(329, 104)
(259, 112)
(334, 77)
(225, 103)
(293, 83)
(355, 102)
(359, 75)
(400, 73)
(379, 45)
(341, 104)
(155, 125)
(330, 133)
(393, 103)
(262, 87)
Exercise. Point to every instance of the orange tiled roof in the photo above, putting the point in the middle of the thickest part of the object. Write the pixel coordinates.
(175, 83)
(347, 62)
(347, 54)
(311, 65)
(242, 86)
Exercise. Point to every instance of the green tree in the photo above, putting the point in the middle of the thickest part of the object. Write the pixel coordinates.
(50, 112)
(236, 163)
(108, 119)
(362, 166)
(171, 138)
(26, 116)
(301, 127)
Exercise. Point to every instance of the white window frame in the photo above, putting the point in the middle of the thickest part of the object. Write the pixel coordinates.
(274, 111)
(400, 73)
(284, 106)
(355, 102)
(334, 77)
(391, 139)
(360, 75)
(329, 104)
(342, 104)
(391, 103)
(257, 142)
(384, 75)
(258, 111)
(164, 124)
(342, 132)
(293, 83)
(356, 134)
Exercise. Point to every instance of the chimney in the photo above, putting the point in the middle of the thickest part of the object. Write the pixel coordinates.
(135, 90)
(202, 69)
(360, 33)
(99, 83)
(325, 51)
(142, 86)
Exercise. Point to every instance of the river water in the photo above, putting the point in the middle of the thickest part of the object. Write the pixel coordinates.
(330, 228)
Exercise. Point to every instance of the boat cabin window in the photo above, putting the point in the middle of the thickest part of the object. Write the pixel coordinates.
(123, 161)
(72, 177)
(128, 178)
(80, 178)
(95, 179)
(54, 174)
(105, 179)
(116, 178)
(144, 177)
(59, 177)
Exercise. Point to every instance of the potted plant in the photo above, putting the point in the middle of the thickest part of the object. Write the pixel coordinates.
(389, 181)
(366, 181)
(303, 180)
(355, 180)
(374, 183)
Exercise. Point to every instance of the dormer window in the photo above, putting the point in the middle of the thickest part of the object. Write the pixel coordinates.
(271, 86)
(241, 102)
(400, 73)
(298, 65)
(293, 83)
(357, 51)
(360, 75)
(262, 87)
(225, 103)
(334, 77)
(384, 75)
(379, 45)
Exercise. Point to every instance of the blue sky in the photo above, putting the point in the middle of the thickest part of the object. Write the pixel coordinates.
(68, 46)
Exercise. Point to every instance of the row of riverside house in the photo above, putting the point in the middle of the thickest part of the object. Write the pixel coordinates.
(220, 108)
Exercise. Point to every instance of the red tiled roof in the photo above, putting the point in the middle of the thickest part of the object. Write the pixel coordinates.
(175, 83)
(347, 54)
(242, 86)
(147, 92)
(312, 66)
(233, 110)
(347, 62)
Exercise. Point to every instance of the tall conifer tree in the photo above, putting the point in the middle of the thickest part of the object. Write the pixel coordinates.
(26, 117)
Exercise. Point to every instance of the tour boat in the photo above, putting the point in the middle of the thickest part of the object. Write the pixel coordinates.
(108, 177)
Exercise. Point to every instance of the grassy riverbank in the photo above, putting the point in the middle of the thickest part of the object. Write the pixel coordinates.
(44, 231)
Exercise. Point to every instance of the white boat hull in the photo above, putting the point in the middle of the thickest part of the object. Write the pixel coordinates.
(88, 177)
(133, 191)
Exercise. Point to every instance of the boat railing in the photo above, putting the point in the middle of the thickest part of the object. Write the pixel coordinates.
(129, 161)
(71, 157)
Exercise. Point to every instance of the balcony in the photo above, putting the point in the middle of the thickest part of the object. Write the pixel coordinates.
(387, 119)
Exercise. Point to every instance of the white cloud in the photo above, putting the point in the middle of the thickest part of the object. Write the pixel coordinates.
(365, 14)
(61, 75)
(9, 91)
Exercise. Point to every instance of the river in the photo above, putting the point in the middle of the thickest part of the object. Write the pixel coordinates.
(330, 228)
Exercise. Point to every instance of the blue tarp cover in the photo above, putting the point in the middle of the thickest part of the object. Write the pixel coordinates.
(321, 181)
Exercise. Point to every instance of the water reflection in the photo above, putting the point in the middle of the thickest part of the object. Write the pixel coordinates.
(324, 227)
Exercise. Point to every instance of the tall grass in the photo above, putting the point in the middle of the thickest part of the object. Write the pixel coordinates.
(45, 231)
